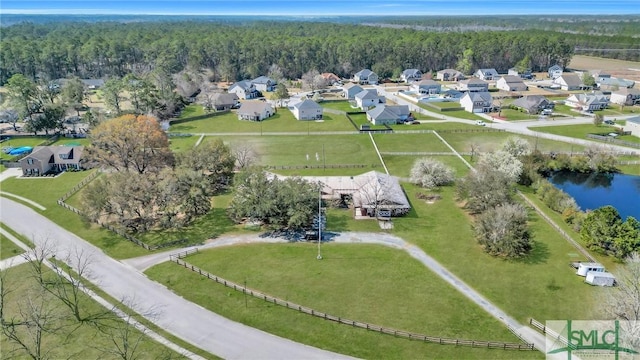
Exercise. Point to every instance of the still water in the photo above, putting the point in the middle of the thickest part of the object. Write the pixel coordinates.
(592, 191)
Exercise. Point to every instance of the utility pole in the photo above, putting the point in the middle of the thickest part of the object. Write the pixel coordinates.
(319, 257)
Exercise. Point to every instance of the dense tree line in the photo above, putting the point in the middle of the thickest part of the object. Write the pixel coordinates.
(243, 50)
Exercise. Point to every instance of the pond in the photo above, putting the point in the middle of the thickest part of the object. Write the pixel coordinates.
(592, 191)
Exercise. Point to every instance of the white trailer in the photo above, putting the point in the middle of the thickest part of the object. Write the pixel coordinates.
(586, 267)
(600, 278)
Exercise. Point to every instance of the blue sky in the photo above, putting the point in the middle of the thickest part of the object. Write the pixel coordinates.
(321, 7)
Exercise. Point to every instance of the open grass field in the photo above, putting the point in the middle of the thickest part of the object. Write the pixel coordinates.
(31, 188)
(282, 121)
(16, 142)
(70, 141)
(581, 131)
(8, 248)
(400, 165)
(490, 141)
(462, 114)
(179, 144)
(343, 105)
(69, 340)
(427, 142)
(364, 282)
(529, 287)
(514, 115)
(444, 105)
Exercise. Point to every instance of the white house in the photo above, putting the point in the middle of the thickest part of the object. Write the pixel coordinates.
(555, 71)
(587, 102)
(633, 125)
(410, 75)
(366, 76)
(426, 87)
(244, 90)
(473, 85)
(449, 75)
(523, 75)
(477, 102)
(307, 110)
(350, 90)
(569, 82)
(586, 267)
(388, 114)
(511, 83)
(255, 110)
(486, 74)
(626, 96)
(263, 83)
(369, 98)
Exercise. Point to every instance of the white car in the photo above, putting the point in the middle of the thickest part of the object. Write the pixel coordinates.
(481, 123)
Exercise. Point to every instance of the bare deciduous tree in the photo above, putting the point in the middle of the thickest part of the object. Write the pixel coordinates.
(245, 154)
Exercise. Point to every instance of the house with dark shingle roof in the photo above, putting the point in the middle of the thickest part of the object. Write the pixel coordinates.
(449, 75)
(263, 83)
(366, 76)
(410, 75)
(307, 110)
(486, 74)
(244, 90)
(533, 104)
(52, 159)
(255, 110)
(388, 114)
(587, 102)
(350, 90)
(224, 101)
(366, 99)
(477, 102)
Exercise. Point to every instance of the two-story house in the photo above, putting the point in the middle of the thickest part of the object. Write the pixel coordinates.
(51, 159)
(369, 98)
(424, 87)
(411, 75)
(263, 83)
(307, 110)
(526, 74)
(486, 74)
(449, 75)
(477, 102)
(473, 85)
(555, 71)
(587, 102)
(244, 90)
(625, 96)
(365, 76)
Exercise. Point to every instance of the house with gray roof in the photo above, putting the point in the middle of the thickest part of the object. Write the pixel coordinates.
(449, 75)
(555, 71)
(52, 159)
(263, 83)
(633, 125)
(587, 102)
(613, 83)
(368, 98)
(244, 90)
(526, 74)
(486, 74)
(511, 83)
(388, 114)
(569, 82)
(255, 110)
(473, 85)
(426, 87)
(366, 76)
(410, 75)
(307, 110)
(350, 90)
(533, 104)
(477, 102)
(223, 101)
(625, 96)
(92, 84)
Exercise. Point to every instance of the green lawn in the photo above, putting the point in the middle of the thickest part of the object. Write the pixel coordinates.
(490, 141)
(565, 110)
(182, 143)
(514, 115)
(8, 248)
(70, 340)
(16, 142)
(361, 282)
(427, 142)
(339, 105)
(282, 121)
(581, 131)
(70, 141)
(445, 105)
(400, 165)
(31, 188)
(462, 114)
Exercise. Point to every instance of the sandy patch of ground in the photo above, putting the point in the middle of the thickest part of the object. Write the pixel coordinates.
(617, 68)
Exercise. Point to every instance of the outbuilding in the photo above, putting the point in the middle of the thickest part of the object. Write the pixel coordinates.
(600, 278)
(585, 267)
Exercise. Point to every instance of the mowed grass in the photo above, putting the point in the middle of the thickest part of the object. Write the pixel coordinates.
(178, 144)
(293, 150)
(400, 165)
(491, 141)
(32, 188)
(580, 131)
(420, 142)
(514, 115)
(70, 340)
(537, 286)
(339, 105)
(71, 141)
(361, 282)
(16, 142)
(8, 248)
(282, 121)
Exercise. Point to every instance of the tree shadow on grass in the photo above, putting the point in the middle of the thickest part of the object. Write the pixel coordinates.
(539, 254)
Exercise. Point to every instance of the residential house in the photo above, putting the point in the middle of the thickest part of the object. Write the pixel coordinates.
(626, 96)
(486, 74)
(473, 85)
(331, 78)
(587, 102)
(410, 75)
(388, 114)
(599, 75)
(555, 71)
(511, 83)
(366, 76)
(611, 83)
(449, 75)
(223, 101)
(569, 82)
(633, 125)
(307, 110)
(426, 87)
(477, 102)
(523, 75)
(533, 104)
(255, 110)
(92, 84)
(244, 90)
(350, 90)
(263, 83)
(52, 159)
(369, 98)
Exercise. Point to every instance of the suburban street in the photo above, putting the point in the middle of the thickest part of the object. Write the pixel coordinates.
(184, 319)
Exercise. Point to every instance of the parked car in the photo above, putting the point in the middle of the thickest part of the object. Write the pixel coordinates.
(613, 134)
(609, 122)
(481, 123)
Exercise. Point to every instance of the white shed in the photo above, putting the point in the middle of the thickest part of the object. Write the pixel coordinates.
(600, 278)
(585, 267)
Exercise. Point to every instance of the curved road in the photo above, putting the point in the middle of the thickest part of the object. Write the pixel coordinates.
(184, 319)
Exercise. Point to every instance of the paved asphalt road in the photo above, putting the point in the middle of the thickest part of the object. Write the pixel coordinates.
(186, 320)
